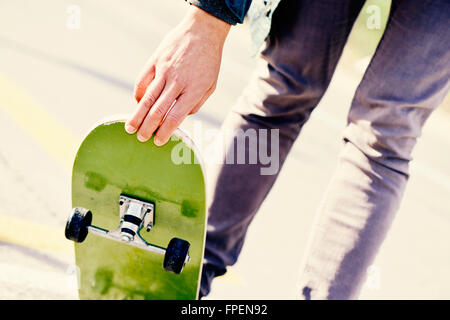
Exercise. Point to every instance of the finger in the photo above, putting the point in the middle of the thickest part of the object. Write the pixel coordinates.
(156, 114)
(144, 80)
(151, 95)
(202, 101)
(174, 117)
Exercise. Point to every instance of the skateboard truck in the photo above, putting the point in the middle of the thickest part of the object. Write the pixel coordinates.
(135, 214)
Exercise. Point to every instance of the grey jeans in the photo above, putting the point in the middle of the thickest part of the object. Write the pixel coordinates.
(406, 80)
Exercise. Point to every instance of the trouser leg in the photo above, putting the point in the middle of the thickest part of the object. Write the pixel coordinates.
(295, 68)
(406, 80)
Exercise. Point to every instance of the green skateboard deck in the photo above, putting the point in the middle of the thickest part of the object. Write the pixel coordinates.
(111, 166)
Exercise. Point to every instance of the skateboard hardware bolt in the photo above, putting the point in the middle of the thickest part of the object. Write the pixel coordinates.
(126, 238)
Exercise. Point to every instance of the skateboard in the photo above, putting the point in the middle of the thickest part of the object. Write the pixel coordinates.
(138, 218)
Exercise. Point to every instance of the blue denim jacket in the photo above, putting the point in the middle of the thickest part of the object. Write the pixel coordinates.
(259, 14)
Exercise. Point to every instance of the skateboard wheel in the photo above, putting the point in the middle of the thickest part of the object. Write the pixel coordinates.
(175, 256)
(77, 224)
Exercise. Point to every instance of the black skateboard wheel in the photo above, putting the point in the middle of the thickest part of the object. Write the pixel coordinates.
(175, 256)
(77, 224)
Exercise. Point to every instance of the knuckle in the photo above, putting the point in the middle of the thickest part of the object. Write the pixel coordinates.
(157, 113)
(173, 118)
(149, 100)
(163, 70)
(176, 79)
(178, 82)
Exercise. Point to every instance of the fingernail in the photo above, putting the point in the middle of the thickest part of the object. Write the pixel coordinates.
(141, 138)
(158, 142)
(130, 129)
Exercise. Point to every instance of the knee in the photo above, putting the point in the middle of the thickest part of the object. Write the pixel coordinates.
(386, 147)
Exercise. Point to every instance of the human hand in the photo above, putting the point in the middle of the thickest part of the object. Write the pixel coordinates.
(179, 77)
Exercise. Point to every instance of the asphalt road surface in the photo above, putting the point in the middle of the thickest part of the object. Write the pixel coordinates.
(58, 78)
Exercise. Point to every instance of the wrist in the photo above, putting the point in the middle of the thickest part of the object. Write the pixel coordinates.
(199, 19)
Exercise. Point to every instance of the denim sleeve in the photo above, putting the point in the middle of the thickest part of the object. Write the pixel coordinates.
(230, 11)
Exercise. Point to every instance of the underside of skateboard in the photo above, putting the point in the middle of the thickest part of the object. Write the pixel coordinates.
(138, 219)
